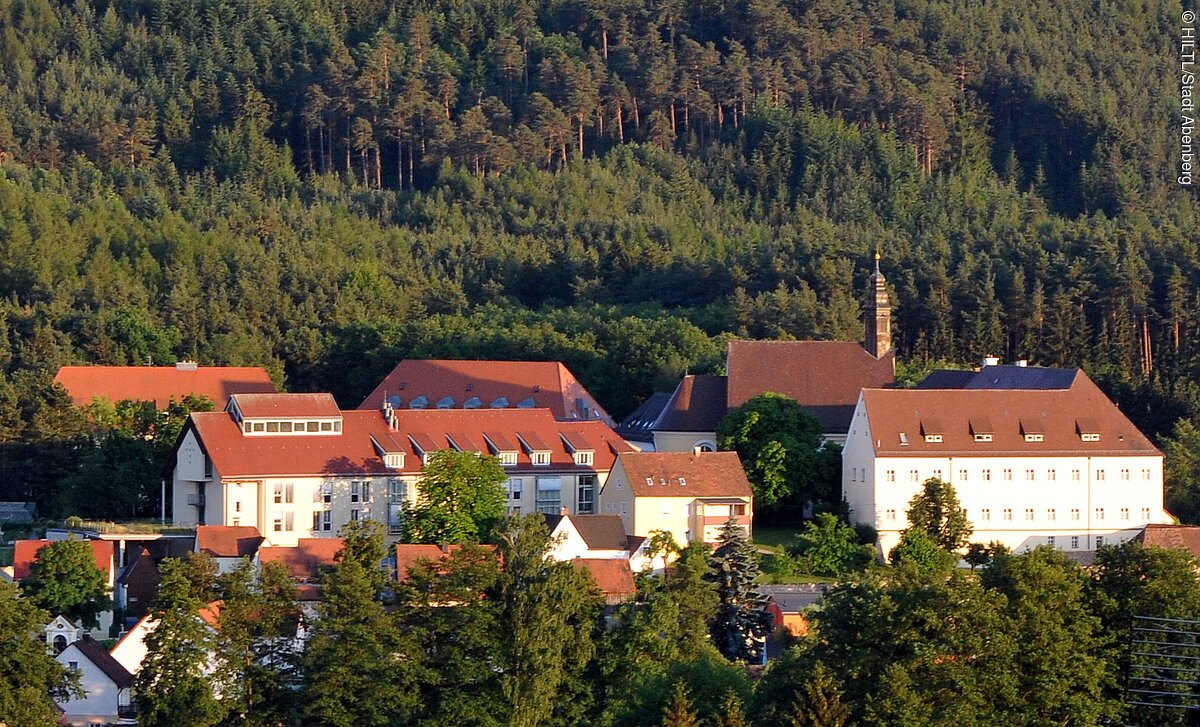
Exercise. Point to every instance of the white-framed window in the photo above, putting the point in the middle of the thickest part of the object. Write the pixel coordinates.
(1074, 475)
(395, 517)
(983, 437)
(1124, 513)
(1145, 474)
(1051, 514)
(1034, 437)
(1050, 540)
(986, 475)
(1052, 474)
(962, 475)
(1029, 513)
(1145, 513)
(914, 476)
(937, 473)
(1074, 513)
(985, 514)
(326, 492)
(514, 488)
(508, 459)
(1124, 473)
(1099, 513)
(1074, 542)
(1008, 514)
(585, 497)
(540, 458)
(1099, 474)
(1029, 475)
(548, 495)
(283, 493)
(393, 461)
(285, 522)
(583, 457)
(891, 515)
(397, 490)
(322, 521)
(1008, 474)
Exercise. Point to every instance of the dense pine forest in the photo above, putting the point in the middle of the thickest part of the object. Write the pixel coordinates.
(324, 188)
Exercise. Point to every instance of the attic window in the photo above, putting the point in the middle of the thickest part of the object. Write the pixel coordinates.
(507, 459)
(393, 461)
(932, 429)
(983, 437)
(903, 439)
(1032, 431)
(650, 482)
(682, 482)
(473, 403)
(981, 429)
(583, 457)
(527, 403)
(1030, 437)
(1088, 430)
(540, 458)
(419, 403)
(446, 402)
(501, 403)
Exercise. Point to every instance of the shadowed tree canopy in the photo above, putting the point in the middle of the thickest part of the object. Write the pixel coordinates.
(65, 580)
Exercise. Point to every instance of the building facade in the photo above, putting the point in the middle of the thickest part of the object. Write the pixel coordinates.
(294, 466)
(1061, 467)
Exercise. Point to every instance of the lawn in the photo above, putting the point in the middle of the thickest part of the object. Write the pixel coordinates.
(773, 537)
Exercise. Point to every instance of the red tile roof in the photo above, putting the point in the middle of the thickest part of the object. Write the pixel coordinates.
(1056, 413)
(613, 576)
(160, 384)
(211, 614)
(305, 559)
(228, 541)
(261, 406)
(25, 553)
(548, 383)
(697, 405)
(407, 555)
(823, 376)
(235, 454)
(1186, 537)
(707, 474)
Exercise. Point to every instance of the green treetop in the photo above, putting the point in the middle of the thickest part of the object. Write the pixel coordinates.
(29, 677)
(461, 498)
(65, 580)
(936, 511)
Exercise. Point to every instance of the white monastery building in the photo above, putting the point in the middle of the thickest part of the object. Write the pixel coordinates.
(1031, 466)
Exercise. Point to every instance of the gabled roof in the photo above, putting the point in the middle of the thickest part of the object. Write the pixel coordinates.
(1185, 537)
(263, 406)
(704, 475)
(98, 655)
(1057, 413)
(599, 532)
(353, 451)
(548, 383)
(228, 541)
(304, 560)
(639, 426)
(160, 384)
(613, 576)
(1003, 377)
(696, 405)
(142, 561)
(25, 553)
(407, 555)
(822, 376)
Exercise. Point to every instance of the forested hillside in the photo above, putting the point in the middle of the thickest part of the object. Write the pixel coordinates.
(325, 187)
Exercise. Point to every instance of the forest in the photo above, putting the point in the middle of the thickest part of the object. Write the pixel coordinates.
(323, 188)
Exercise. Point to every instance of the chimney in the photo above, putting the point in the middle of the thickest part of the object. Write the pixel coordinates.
(563, 511)
(444, 547)
(991, 361)
(1021, 362)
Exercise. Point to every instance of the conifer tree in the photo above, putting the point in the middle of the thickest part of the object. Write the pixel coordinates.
(679, 711)
(740, 627)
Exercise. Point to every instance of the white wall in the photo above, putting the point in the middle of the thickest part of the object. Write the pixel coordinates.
(1071, 499)
(101, 696)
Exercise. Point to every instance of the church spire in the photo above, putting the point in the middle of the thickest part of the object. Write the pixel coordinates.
(878, 339)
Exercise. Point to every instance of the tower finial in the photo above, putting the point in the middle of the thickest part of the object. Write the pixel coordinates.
(877, 259)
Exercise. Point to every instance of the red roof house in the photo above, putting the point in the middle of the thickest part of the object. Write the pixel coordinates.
(161, 384)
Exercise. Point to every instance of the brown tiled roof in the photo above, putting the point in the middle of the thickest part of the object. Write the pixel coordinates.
(1186, 537)
(25, 553)
(823, 376)
(697, 405)
(305, 559)
(211, 613)
(613, 576)
(892, 412)
(407, 555)
(256, 406)
(112, 668)
(235, 454)
(707, 474)
(228, 541)
(160, 384)
(601, 532)
(548, 383)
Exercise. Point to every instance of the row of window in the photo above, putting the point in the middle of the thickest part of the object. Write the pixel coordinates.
(1006, 474)
(1076, 515)
(292, 427)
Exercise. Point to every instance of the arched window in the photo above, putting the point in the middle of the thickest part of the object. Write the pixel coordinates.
(60, 643)
(704, 445)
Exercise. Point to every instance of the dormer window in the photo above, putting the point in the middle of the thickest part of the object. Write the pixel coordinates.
(650, 482)
(446, 402)
(421, 402)
(507, 459)
(540, 458)
(1032, 431)
(535, 447)
(393, 461)
(981, 429)
(583, 457)
(931, 429)
(682, 482)
(502, 447)
(983, 437)
(581, 449)
(1035, 437)
(933, 438)
(1088, 430)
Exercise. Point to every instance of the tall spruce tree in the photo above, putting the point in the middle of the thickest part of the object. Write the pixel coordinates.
(740, 626)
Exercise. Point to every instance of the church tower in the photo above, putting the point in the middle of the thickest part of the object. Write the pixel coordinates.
(878, 314)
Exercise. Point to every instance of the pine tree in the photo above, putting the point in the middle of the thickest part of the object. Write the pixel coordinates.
(732, 714)
(740, 627)
(679, 711)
